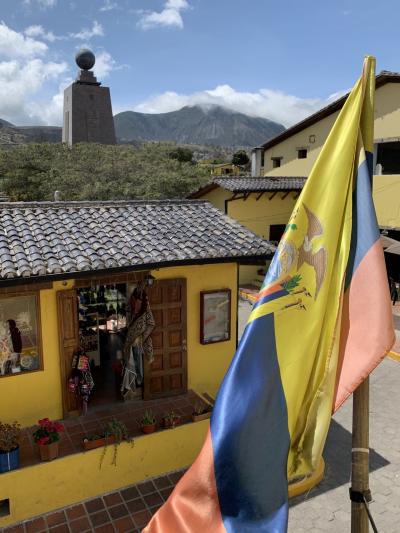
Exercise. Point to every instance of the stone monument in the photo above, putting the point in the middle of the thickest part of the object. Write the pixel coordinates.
(87, 106)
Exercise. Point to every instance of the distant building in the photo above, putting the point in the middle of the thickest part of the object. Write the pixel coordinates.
(227, 169)
(294, 152)
(87, 107)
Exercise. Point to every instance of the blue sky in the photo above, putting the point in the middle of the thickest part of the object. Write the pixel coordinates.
(280, 60)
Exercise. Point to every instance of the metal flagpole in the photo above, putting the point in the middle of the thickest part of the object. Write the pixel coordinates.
(359, 492)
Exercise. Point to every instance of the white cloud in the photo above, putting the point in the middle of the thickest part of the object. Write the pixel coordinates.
(42, 3)
(170, 16)
(22, 80)
(104, 65)
(267, 103)
(39, 31)
(49, 113)
(14, 44)
(109, 6)
(26, 73)
(87, 33)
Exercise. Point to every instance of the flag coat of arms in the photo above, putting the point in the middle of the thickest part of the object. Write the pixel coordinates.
(321, 324)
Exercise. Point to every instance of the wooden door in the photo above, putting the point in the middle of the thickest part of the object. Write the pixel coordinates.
(167, 374)
(68, 328)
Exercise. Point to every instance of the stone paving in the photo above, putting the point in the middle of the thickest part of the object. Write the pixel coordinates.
(327, 507)
(127, 510)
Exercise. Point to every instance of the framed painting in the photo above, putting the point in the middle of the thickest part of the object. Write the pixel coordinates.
(215, 316)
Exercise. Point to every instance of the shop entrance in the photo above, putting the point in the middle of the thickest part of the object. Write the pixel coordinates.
(102, 315)
(97, 319)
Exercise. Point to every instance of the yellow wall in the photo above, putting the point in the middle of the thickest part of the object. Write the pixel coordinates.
(217, 197)
(207, 364)
(258, 215)
(31, 396)
(386, 126)
(27, 397)
(47, 486)
(287, 149)
(387, 200)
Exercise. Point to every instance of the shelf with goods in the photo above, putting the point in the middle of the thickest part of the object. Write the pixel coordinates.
(89, 336)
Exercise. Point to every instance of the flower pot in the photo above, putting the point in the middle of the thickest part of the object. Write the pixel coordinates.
(98, 443)
(48, 452)
(203, 416)
(168, 423)
(150, 428)
(9, 460)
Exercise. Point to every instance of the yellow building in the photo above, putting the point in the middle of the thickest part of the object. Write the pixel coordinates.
(293, 152)
(68, 277)
(262, 205)
(226, 169)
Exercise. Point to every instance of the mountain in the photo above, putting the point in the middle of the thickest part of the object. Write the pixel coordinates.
(12, 135)
(211, 125)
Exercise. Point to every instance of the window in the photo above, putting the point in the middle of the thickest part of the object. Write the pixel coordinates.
(262, 158)
(276, 162)
(276, 232)
(388, 156)
(19, 335)
(302, 153)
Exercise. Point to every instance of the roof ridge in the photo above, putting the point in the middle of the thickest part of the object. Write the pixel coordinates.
(99, 203)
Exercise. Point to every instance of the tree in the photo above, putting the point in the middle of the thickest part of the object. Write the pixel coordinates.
(240, 158)
(184, 155)
(91, 171)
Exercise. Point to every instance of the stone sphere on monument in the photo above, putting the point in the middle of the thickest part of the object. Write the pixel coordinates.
(85, 59)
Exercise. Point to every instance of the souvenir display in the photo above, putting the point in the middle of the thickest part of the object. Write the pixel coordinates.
(18, 335)
(81, 382)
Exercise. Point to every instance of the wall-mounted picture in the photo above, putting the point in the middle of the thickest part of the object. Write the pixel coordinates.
(215, 316)
(19, 343)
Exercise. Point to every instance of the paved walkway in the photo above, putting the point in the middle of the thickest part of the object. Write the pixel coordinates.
(125, 511)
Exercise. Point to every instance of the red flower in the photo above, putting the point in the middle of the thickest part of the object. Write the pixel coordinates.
(58, 426)
(44, 440)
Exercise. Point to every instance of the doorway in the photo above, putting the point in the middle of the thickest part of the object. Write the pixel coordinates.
(96, 318)
(102, 316)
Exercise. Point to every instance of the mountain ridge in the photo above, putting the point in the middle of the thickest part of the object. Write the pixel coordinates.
(208, 125)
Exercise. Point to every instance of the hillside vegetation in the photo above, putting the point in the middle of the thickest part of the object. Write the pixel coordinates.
(97, 172)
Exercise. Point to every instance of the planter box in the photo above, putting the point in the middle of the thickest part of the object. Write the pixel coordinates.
(9, 460)
(98, 443)
(203, 416)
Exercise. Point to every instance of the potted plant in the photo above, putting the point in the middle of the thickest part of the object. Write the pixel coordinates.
(201, 411)
(171, 420)
(48, 436)
(148, 422)
(10, 435)
(114, 432)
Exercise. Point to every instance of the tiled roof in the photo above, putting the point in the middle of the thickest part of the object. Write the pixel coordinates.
(39, 239)
(239, 184)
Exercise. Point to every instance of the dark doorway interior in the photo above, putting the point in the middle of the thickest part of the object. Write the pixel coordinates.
(102, 329)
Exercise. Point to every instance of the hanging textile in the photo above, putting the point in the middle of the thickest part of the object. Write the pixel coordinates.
(138, 343)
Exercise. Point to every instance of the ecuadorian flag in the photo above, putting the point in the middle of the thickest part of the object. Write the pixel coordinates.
(321, 324)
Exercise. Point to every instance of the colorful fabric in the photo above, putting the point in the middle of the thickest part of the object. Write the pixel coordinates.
(322, 322)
